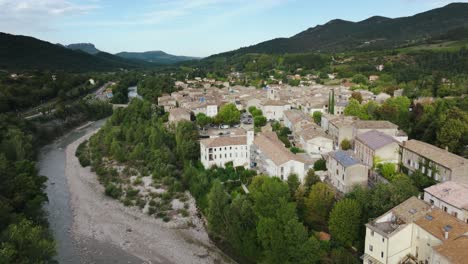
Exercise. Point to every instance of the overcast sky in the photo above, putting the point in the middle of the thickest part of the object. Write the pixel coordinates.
(186, 27)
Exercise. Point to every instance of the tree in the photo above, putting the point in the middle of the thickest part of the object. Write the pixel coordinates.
(357, 96)
(310, 179)
(387, 170)
(228, 114)
(317, 116)
(318, 204)
(354, 108)
(218, 203)
(260, 121)
(117, 151)
(320, 165)
(293, 183)
(345, 144)
(359, 79)
(345, 220)
(266, 193)
(202, 119)
(25, 242)
(187, 146)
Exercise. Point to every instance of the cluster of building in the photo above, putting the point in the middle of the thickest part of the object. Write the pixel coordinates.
(432, 229)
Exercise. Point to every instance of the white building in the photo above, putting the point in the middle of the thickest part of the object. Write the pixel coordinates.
(220, 150)
(211, 110)
(413, 232)
(315, 142)
(274, 109)
(450, 197)
(268, 155)
(345, 171)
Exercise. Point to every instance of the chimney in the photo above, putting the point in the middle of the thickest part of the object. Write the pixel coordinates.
(446, 234)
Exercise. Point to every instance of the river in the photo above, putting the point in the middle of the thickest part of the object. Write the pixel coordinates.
(60, 214)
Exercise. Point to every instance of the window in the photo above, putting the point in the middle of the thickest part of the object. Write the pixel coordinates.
(444, 208)
(371, 248)
(431, 201)
(383, 239)
(372, 233)
(342, 177)
(381, 254)
(336, 171)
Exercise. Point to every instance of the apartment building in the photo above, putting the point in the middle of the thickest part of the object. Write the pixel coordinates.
(340, 129)
(345, 171)
(451, 197)
(376, 146)
(270, 156)
(414, 232)
(218, 151)
(434, 162)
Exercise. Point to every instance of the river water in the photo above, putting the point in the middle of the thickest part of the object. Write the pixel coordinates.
(60, 214)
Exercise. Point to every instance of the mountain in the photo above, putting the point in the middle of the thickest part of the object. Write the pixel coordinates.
(86, 47)
(22, 52)
(373, 33)
(155, 57)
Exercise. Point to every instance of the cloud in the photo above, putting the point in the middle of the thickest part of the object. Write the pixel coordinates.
(19, 15)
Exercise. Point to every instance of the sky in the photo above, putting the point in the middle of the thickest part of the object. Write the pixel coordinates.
(186, 27)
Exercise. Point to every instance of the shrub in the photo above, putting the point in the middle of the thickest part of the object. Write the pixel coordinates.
(320, 165)
(113, 191)
(132, 193)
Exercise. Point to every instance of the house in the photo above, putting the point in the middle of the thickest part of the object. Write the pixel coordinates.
(315, 142)
(167, 102)
(363, 126)
(340, 129)
(345, 171)
(382, 97)
(416, 232)
(340, 107)
(211, 109)
(293, 117)
(325, 120)
(274, 109)
(375, 145)
(434, 162)
(179, 114)
(270, 156)
(218, 151)
(373, 78)
(451, 197)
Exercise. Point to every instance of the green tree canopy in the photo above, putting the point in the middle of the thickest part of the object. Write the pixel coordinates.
(344, 223)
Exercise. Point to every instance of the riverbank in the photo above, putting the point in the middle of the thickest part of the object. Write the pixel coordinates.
(97, 217)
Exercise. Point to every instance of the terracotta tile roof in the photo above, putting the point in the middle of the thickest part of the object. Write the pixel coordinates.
(295, 116)
(455, 250)
(274, 149)
(450, 192)
(178, 112)
(435, 154)
(223, 141)
(274, 103)
(374, 124)
(375, 139)
(311, 133)
(437, 222)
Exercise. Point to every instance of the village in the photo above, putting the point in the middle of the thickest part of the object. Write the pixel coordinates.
(306, 129)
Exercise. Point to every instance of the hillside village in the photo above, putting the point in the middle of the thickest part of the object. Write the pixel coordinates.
(432, 228)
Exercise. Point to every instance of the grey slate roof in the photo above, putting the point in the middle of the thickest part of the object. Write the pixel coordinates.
(375, 139)
(345, 158)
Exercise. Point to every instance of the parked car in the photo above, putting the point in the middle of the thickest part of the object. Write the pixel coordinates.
(224, 126)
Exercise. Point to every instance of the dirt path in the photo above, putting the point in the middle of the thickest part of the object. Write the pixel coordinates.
(97, 217)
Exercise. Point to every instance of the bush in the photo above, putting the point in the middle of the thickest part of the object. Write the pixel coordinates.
(137, 181)
(113, 191)
(320, 165)
(132, 193)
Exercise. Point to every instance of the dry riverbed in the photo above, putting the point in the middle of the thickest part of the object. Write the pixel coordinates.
(97, 217)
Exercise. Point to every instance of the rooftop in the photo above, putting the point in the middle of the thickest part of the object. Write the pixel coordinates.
(375, 139)
(438, 155)
(345, 158)
(455, 250)
(295, 116)
(374, 124)
(274, 149)
(407, 212)
(223, 141)
(450, 192)
(437, 222)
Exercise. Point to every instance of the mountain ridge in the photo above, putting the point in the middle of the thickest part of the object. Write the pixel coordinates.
(376, 32)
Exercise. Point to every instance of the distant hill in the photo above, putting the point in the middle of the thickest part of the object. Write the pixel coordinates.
(86, 47)
(158, 56)
(22, 52)
(370, 34)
